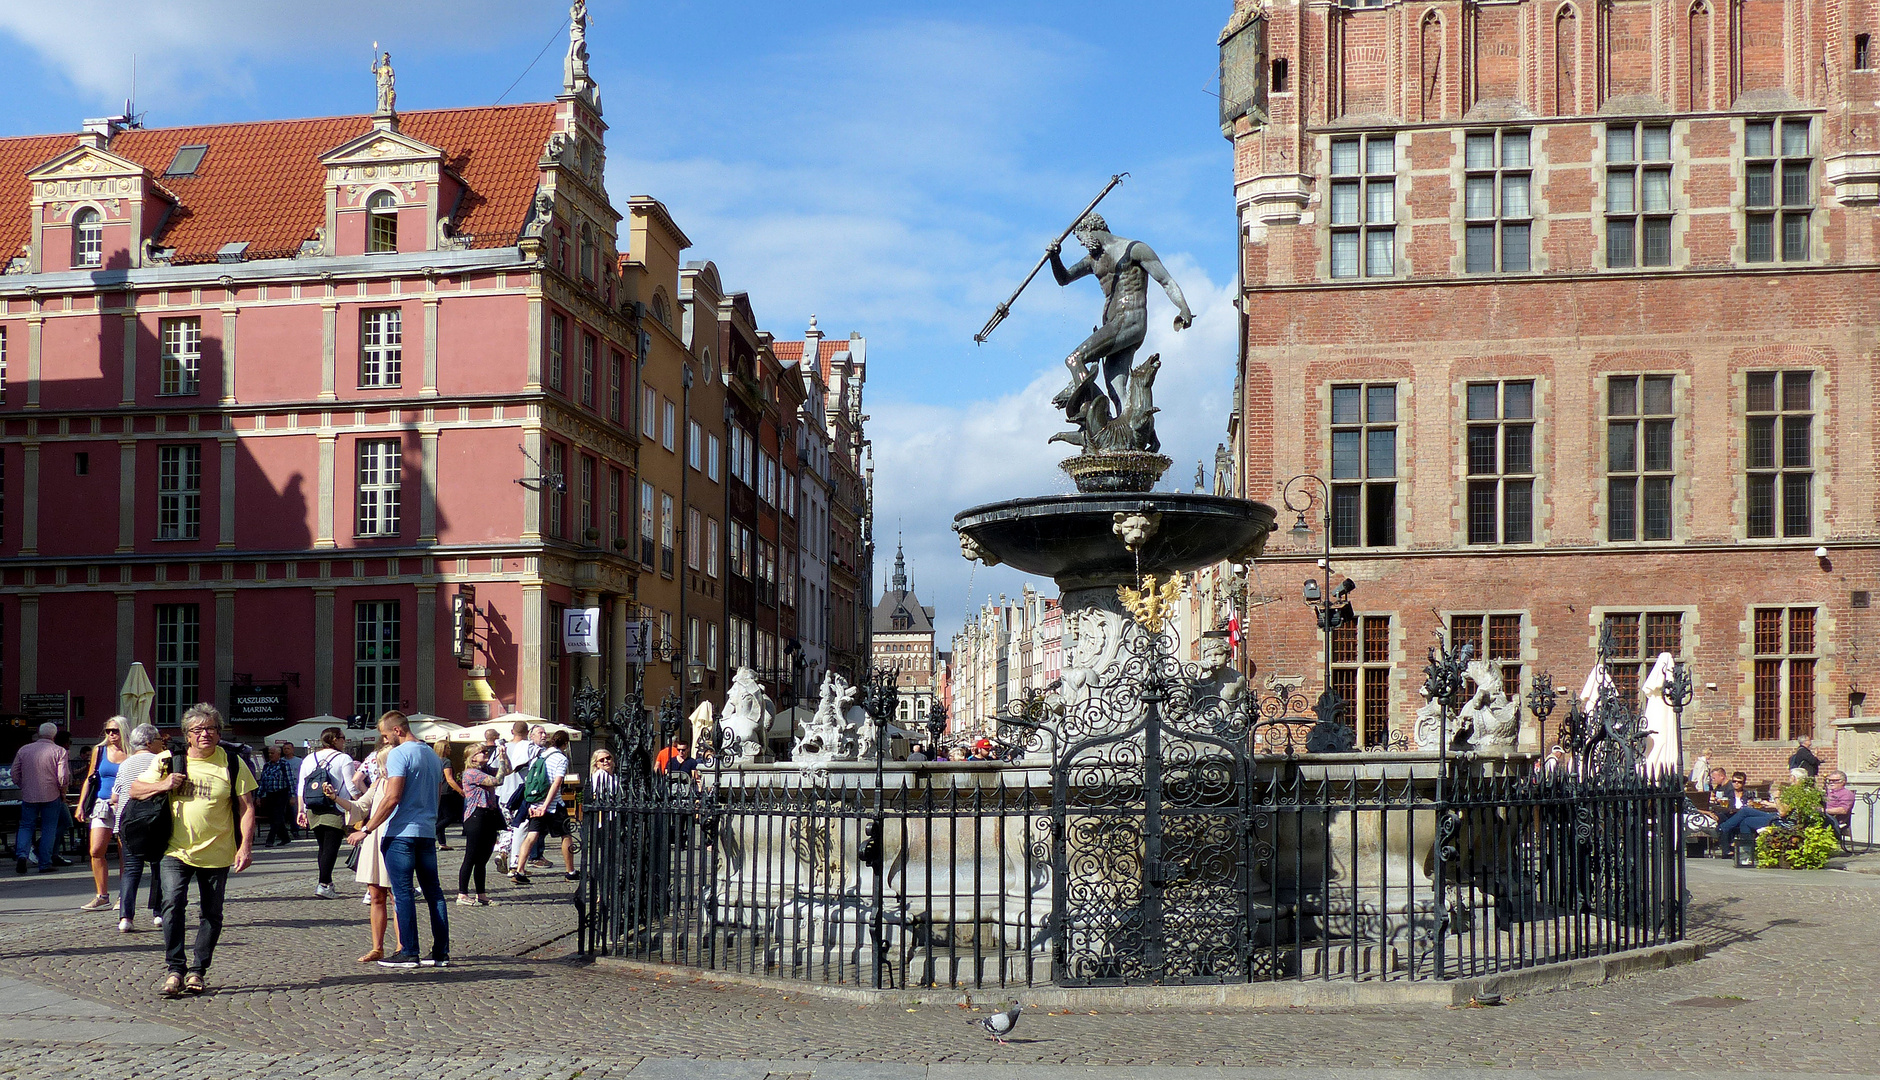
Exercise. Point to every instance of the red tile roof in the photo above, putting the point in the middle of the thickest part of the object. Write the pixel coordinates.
(787, 351)
(263, 182)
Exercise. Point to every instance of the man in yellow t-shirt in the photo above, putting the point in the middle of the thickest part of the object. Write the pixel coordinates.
(212, 830)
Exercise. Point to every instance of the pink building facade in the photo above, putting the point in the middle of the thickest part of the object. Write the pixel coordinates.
(273, 395)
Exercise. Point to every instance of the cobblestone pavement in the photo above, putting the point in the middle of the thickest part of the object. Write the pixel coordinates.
(1792, 985)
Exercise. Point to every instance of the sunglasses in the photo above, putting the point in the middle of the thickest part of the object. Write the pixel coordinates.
(112, 731)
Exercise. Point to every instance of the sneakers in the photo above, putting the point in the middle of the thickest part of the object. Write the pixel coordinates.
(157, 921)
(325, 892)
(98, 903)
(172, 986)
(19, 866)
(483, 901)
(435, 961)
(125, 926)
(502, 863)
(519, 879)
(466, 901)
(540, 864)
(399, 960)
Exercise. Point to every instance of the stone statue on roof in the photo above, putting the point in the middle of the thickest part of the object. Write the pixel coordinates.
(575, 69)
(388, 94)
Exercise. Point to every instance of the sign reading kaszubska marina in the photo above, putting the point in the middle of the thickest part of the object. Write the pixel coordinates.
(262, 703)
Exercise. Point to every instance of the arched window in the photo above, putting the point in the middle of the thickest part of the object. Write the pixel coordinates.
(87, 238)
(661, 309)
(382, 213)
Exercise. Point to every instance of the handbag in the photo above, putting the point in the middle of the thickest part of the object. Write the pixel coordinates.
(352, 855)
(90, 800)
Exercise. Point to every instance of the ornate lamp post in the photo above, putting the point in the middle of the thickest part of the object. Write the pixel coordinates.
(1332, 609)
(936, 724)
(1680, 688)
(671, 715)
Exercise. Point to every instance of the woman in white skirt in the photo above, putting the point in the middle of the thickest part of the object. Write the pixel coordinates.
(371, 869)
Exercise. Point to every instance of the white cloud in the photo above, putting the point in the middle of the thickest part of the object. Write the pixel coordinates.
(188, 51)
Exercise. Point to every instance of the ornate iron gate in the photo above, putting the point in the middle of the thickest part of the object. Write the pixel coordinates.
(1150, 826)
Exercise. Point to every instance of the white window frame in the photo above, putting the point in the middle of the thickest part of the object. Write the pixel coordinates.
(378, 480)
(377, 675)
(179, 363)
(381, 347)
(179, 491)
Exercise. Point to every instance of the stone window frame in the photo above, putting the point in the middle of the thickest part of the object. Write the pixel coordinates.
(382, 222)
(1400, 479)
(1816, 230)
(1361, 225)
(1785, 655)
(1498, 173)
(87, 237)
(1640, 218)
(1372, 677)
(1689, 633)
(177, 667)
(381, 348)
(179, 491)
(385, 618)
(1499, 476)
(1680, 474)
(1820, 492)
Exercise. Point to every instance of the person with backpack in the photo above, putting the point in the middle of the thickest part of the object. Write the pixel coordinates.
(327, 765)
(145, 746)
(210, 792)
(541, 793)
(511, 761)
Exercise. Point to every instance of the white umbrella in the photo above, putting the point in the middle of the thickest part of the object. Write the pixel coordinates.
(307, 730)
(430, 728)
(135, 699)
(474, 733)
(1661, 720)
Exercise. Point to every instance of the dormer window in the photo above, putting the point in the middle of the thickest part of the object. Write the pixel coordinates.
(382, 215)
(87, 238)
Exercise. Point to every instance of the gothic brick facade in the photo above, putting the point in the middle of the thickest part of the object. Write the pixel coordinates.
(1573, 306)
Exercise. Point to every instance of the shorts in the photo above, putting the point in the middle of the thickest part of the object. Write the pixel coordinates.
(104, 815)
(553, 823)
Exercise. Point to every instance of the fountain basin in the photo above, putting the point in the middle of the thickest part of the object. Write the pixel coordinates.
(1072, 538)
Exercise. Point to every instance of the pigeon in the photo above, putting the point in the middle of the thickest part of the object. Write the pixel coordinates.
(999, 1025)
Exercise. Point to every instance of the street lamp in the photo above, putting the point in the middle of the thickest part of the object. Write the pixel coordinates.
(1332, 608)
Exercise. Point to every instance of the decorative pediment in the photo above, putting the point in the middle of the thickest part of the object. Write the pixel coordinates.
(85, 172)
(380, 154)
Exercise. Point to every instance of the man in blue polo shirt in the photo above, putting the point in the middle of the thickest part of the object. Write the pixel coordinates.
(414, 774)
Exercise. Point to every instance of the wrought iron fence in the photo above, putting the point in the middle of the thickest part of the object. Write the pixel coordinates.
(970, 875)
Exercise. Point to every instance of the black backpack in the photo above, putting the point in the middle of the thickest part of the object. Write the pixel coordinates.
(145, 825)
(313, 791)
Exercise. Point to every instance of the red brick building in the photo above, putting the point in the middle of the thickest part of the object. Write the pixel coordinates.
(1574, 307)
(275, 392)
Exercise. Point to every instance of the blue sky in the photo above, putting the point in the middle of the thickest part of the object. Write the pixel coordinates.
(894, 169)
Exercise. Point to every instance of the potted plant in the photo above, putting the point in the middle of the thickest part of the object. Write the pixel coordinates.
(1800, 839)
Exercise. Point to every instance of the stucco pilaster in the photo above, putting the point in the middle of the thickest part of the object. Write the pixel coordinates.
(329, 445)
(35, 332)
(329, 342)
(127, 495)
(532, 504)
(228, 354)
(29, 644)
(126, 631)
(130, 358)
(226, 485)
(224, 645)
(430, 344)
(617, 654)
(29, 499)
(425, 662)
(529, 673)
(427, 493)
(323, 651)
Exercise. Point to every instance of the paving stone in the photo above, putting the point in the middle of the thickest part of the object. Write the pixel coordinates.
(288, 1000)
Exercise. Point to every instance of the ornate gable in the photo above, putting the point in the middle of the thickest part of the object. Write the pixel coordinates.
(130, 205)
(382, 159)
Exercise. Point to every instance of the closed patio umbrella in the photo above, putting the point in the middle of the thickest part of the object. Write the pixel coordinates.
(135, 699)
